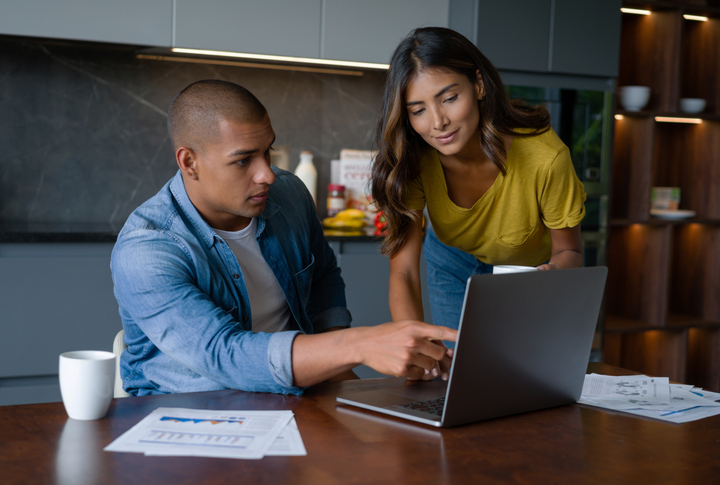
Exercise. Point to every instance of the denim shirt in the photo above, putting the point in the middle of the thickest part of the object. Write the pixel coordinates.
(183, 301)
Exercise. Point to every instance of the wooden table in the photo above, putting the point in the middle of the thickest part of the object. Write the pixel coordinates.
(569, 444)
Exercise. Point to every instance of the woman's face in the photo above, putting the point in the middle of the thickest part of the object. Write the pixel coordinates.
(442, 106)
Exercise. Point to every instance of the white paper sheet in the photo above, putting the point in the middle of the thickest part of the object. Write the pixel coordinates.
(200, 432)
(288, 443)
(651, 397)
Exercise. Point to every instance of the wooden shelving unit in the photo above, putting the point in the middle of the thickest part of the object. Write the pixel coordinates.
(663, 291)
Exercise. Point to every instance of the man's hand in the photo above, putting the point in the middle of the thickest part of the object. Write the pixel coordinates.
(442, 367)
(406, 349)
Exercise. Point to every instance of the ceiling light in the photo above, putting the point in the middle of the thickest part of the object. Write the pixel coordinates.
(695, 17)
(619, 117)
(635, 11)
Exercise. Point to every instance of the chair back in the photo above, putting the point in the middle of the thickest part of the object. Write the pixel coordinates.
(118, 348)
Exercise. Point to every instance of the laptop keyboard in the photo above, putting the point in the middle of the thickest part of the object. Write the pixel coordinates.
(431, 406)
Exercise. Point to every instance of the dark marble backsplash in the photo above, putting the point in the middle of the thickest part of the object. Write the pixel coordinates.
(83, 126)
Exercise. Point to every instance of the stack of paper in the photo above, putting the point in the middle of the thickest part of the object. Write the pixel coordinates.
(653, 397)
(211, 433)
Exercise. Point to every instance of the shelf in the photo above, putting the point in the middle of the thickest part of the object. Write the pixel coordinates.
(709, 7)
(656, 221)
(663, 289)
(705, 116)
(675, 323)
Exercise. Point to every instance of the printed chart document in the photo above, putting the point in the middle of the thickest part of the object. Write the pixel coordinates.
(212, 433)
(653, 397)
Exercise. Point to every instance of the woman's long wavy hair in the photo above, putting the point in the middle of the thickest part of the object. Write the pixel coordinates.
(400, 147)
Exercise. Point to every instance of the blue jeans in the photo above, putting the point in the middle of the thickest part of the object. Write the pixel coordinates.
(448, 270)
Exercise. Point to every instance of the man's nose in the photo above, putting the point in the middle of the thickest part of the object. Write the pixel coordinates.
(264, 175)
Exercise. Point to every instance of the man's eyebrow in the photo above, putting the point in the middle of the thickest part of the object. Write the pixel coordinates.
(440, 93)
(238, 153)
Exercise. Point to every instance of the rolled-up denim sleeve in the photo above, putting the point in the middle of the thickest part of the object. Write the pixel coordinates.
(280, 357)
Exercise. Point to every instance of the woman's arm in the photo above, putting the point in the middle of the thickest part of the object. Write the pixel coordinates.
(405, 295)
(567, 249)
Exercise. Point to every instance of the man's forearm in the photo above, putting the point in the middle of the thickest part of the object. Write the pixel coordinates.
(404, 348)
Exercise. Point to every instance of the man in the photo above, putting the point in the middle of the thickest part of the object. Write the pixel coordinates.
(225, 280)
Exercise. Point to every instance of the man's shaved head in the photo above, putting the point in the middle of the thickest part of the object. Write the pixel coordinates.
(194, 114)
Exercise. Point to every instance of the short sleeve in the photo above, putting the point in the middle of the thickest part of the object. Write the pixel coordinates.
(415, 195)
(562, 199)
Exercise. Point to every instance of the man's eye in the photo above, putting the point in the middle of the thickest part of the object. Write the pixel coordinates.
(243, 161)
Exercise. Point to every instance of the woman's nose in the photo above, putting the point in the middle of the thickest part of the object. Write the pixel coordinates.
(440, 121)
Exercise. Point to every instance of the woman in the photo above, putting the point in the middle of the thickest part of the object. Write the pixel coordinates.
(498, 184)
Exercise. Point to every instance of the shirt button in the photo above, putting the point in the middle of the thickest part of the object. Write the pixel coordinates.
(245, 318)
(236, 276)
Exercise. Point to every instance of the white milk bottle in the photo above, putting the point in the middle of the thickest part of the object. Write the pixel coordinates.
(307, 172)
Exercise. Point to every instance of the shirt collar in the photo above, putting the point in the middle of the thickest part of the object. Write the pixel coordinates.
(204, 231)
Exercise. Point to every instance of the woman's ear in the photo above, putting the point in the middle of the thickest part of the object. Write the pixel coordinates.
(479, 86)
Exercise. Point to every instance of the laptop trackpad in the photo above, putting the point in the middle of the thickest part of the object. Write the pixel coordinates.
(410, 391)
(419, 390)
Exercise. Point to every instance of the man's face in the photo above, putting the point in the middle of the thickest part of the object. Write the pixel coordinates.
(232, 176)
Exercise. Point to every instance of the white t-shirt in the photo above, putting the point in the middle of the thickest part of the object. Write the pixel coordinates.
(270, 311)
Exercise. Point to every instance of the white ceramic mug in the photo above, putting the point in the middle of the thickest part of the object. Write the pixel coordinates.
(87, 380)
(506, 268)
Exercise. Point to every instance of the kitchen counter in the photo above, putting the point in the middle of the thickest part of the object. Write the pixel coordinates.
(57, 232)
(93, 232)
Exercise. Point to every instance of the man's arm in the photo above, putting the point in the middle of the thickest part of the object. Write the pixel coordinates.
(404, 349)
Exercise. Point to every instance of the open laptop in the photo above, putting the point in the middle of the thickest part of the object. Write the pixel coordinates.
(524, 343)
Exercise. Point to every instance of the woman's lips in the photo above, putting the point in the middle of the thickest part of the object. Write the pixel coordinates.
(445, 139)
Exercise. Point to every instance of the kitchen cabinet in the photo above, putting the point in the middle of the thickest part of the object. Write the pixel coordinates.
(141, 22)
(55, 297)
(366, 31)
(557, 36)
(663, 290)
(276, 27)
(369, 31)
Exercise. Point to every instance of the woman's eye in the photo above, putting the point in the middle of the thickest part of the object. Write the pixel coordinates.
(417, 112)
(451, 98)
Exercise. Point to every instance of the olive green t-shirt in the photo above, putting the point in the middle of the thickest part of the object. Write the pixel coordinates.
(509, 223)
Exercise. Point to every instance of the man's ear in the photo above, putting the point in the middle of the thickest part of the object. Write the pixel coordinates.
(186, 160)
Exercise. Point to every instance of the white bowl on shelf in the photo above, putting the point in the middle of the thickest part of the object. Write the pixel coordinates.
(692, 105)
(634, 98)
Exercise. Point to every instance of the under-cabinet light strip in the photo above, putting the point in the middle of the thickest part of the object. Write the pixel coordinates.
(695, 17)
(670, 119)
(299, 60)
(636, 11)
(220, 62)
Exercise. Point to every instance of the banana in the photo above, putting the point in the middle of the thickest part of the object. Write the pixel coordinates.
(348, 214)
(335, 223)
